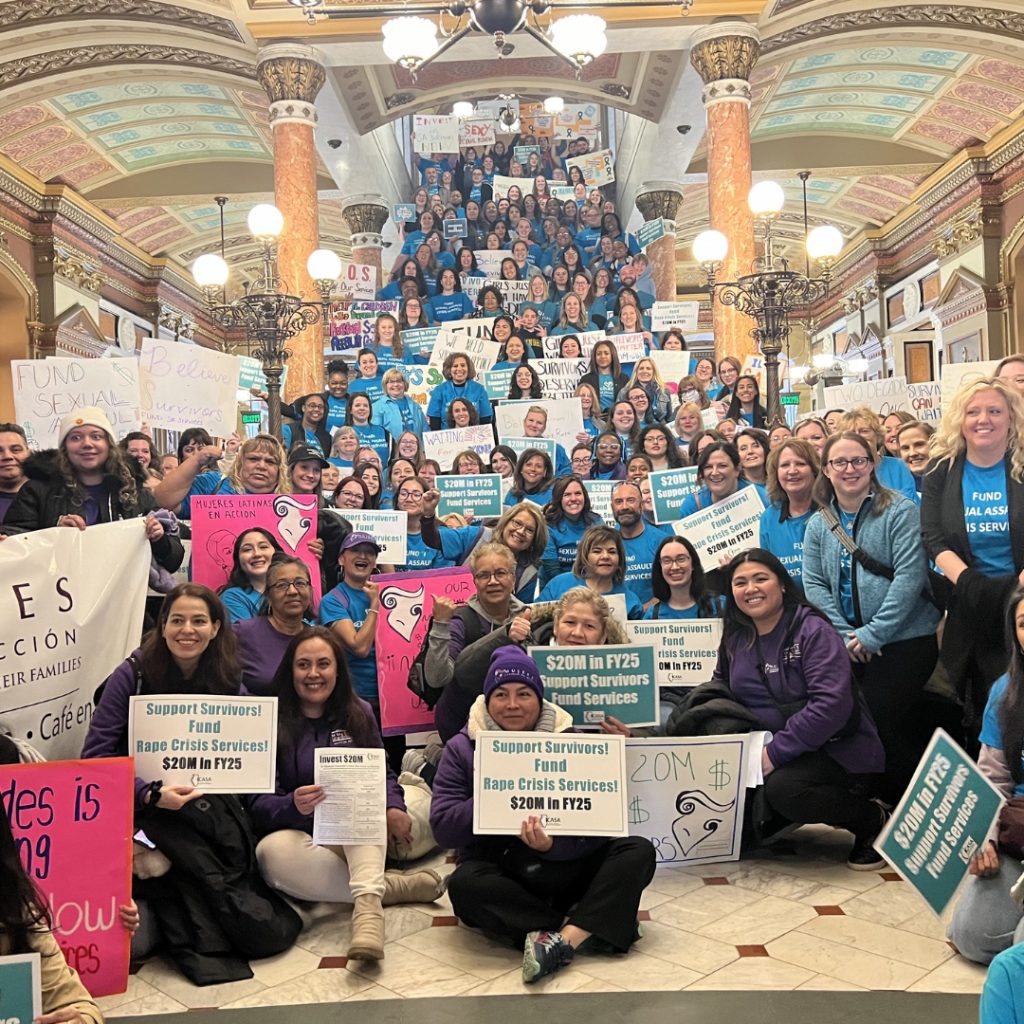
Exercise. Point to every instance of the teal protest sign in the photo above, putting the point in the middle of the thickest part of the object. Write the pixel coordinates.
(498, 383)
(650, 232)
(523, 444)
(669, 489)
(941, 822)
(20, 988)
(418, 341)
(592, 683)
(476, 493)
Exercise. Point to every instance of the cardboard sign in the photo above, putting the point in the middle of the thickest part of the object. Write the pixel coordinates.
(675, 314)
(482, 352)
(45, 391)
(476, 133)
(575, 784)
(924, 401)
(21, 988)
(455, 227)
(600, 492)
(443, 445)
(561, 377)
(651, 231)
(183, 385)
(352, 323)
(476, 493)
(488, 261)
(565, 418)
(686, 795)
(598, 168)
(359, 278)
(724, 528)
(941, 822)
(406, 605)
(669, 489)
(217, 744)
(72, 825)
(592, 683)
(389, 529)
(954, 375)
(71, 604)
(685, 650)
(881, 396)
(422, 381)
(218, 519)
(435, 133)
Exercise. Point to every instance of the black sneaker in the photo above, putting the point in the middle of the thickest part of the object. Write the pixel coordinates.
(864, 856)
(545, 953)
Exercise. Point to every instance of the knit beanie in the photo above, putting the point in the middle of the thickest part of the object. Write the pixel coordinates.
(511, 665)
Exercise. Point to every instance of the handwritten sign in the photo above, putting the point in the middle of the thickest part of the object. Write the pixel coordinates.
(389, 529)
(881, 396)
(669, 489)
(352, 323)
(561, 377)
(651, 231)
(435, 133)
(476, 493)
(359, 278)
(45, 391)
(724, 528)
(482, 352)
(630, 347)
(597, 168)
(954, 375)
(685, 650)
(422, 381)
(502, 183)
(513, 293)
(686, 795)
(406, 601)
(218, 744)
(183, 385)
(675, 314)
(941, 822)
(576, 785)
(72, 825)
(551, 345)
(476, 133)
(673, 367)
(924, 401)
(488, 261)
(443, 445)
(218, 519)
(71, 604)
(593, 683)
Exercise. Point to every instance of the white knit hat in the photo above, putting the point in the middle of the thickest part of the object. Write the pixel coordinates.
(87, 416)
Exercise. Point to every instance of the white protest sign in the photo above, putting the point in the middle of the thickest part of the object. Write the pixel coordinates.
(881, 396)
(217, 744)
(47, 390)
(513, 293)
(443, 445)
(600, 492)
(565, 418)
(551, 345)
(673, 367)
(675, 314)
(685, 650)
(359, 278)
(476, 133)
(473, 327)
(185, 385)
(560, 377)
(560, 190)
(482, 352)
(489, 261)
(956, 374)
(353, 812)
(502, 183)
(389, 529)
(422, 381)
(523, 444)
(575, 784)
(597, 168)
(435, 133)
(924, 401)
(724, 528)
(630, 347)
(71, 604)
(686, 795)
(710, 416)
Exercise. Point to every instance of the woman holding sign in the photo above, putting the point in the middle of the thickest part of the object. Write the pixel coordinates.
(548, 895)
(718, 471)
(318, 709)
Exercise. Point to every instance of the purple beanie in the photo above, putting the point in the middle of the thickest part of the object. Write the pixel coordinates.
(511, 665)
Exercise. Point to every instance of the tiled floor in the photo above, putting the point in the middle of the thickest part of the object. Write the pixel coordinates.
(795, 918)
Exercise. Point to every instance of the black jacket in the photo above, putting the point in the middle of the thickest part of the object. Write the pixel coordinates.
(46, 497)
(710, 710)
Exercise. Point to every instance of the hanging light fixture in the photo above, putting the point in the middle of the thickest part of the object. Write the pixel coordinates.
(580, 37)
(554, 105)
(409, 41)
(462, 108)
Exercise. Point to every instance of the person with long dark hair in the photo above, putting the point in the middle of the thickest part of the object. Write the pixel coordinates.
(569, 515)
(318, 708)
(250, 559)
(785, 663)
(988, 919)
(718, 471)
(679, 585)
(605, 374)
(532, 479)
(745, 405)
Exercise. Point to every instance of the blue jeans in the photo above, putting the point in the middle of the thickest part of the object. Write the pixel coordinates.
(987, 919)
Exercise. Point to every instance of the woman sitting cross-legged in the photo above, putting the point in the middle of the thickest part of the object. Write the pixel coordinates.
(317, 708)
(547, 894)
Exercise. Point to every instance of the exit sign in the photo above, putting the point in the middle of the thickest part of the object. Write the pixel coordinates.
(790, 398)
(250, 417)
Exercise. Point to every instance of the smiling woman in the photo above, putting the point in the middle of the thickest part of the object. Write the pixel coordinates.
(250, 559)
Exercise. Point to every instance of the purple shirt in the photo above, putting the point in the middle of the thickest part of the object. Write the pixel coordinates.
(6, 501)
(260, 650)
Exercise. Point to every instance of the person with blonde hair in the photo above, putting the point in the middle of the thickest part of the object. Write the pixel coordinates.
(891, 472)
(972, 521)
(645, 375)
(397, 413)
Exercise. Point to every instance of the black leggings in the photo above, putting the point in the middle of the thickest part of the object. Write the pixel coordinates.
(600, 893)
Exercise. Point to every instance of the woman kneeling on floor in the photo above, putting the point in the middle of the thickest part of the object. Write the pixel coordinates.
(549, 895)
(317, 707)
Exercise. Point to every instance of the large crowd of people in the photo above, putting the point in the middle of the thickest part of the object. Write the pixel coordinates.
(882, 596)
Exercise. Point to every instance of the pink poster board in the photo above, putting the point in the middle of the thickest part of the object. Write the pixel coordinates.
(218, 519)
(406, 603)
(72, 823)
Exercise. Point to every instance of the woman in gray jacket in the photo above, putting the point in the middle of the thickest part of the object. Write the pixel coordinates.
(865, 567)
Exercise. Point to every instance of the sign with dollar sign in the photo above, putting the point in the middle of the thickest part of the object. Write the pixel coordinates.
(686, 795)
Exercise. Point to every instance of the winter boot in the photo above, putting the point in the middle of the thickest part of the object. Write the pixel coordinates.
(367, 929)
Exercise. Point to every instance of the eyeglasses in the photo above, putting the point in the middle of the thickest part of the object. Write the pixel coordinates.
(609, 447)
(858, 462)
(410, 495)
(499, 575)
(519, 527)
(301, 586)
(680, 560)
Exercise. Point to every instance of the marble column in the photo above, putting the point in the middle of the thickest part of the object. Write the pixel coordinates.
(366, 216)
(724, 54)
(662, 199)
(292, 75)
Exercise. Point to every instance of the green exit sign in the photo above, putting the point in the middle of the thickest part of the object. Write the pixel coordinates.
(250, 417)
(789, 399)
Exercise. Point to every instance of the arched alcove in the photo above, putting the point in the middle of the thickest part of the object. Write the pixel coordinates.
(18, 306)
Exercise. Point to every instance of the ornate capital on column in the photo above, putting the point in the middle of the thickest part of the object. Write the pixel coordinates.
(365, 216)
(724, 54)
(659, 199)
(291, 75)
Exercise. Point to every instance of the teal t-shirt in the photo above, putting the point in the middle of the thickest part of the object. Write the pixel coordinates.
(987, 517)
(991, 732)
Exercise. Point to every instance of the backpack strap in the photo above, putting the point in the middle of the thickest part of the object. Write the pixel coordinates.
(872, 565)
(137, 667)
